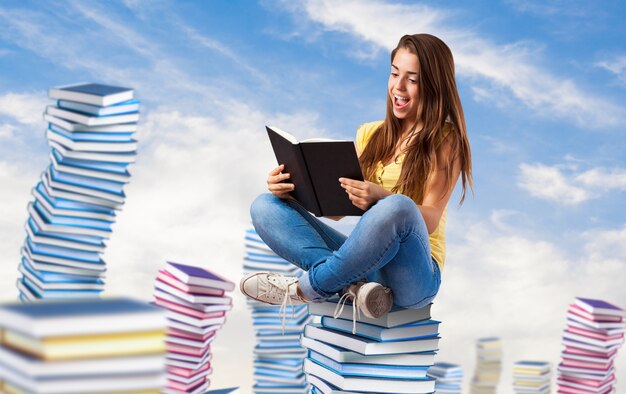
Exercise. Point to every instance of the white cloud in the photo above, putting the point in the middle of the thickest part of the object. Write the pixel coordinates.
(7, 130)
(549, 183)
(489, 67)
(617, 66)
(562, 183)
(25, 108)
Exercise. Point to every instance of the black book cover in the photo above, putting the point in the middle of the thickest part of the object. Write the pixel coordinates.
(315, 169)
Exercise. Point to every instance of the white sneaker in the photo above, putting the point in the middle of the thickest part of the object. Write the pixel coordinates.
(371, 298)
(271, 288)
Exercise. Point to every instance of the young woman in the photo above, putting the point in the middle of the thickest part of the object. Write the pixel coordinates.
(411, 162)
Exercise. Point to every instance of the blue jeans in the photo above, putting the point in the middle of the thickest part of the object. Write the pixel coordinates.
(389, 245)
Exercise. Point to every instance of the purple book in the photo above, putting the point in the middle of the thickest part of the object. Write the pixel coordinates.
(599, 307)
(193, 275)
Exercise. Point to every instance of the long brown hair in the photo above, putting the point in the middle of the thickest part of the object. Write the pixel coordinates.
(438, 102)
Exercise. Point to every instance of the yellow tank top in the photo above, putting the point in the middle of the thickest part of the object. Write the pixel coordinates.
(387, 177)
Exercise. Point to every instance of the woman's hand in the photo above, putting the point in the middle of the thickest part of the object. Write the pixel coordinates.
(275, 184)
(363, 194)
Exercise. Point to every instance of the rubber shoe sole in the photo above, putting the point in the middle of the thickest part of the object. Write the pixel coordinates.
(375, 300)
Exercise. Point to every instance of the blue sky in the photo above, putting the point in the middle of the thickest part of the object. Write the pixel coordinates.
(543, 86)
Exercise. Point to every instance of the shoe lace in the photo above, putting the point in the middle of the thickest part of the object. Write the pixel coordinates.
(278, 286)
(356, 310)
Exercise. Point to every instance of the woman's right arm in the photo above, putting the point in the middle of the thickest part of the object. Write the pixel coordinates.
(276, 186)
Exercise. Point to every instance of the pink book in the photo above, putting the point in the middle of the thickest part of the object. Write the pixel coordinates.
(188, 311)
(582, 364)
(189, 335)
(597, 307)
(588, 382)
(187, 350)
(593, 334)
(593, 317)
(171, 280)
(584, 352)
(188, 373)
(186, 387)
(572, 390)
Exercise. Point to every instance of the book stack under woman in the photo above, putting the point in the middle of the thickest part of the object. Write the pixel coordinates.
(278, 355)
(195, 303)
(91, 134)
(594, 334)
(488, 366)
(90, 346)
(390, 354)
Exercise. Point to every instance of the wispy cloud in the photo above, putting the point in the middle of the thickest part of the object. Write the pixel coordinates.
(24, 108)
(617, 66)
(565, 184)
(492, 69)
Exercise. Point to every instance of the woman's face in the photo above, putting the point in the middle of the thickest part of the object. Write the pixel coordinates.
(402, 86)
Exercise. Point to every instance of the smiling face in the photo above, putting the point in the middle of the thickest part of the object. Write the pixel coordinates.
(402, 87)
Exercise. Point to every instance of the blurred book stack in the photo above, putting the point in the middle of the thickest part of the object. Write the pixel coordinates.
(278, 355)
(531, 377)
(488, 366)
(390, 354)
(594, 334)
(195, 305)
(449, 377)
(82, 347)
(90, 132)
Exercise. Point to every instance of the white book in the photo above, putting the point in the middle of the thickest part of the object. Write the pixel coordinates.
(61, 294)
(91, 136)
(116, 109)
(197, 361)
(92, 93)
(592, 341)
(59, 285)
(67, 220)
(590, 359)
(584, 373)
(198, 390)
(599, 389)
(43, 238)
(63, 269)
(189, 342)
(89, 183)
(378, 385)
(187, 364)
(42, 258)
(38, 218)
(586, 346)
(278, 367)
(265, 353)
(40, 369)
(193, 298)
(91, 120)
(279, 315)
(346, 356)
(413, 330)
(601, 331)
(370, 371)
(190, 380)
(91, 146)
(48, 202)
(278, 379)
(368, 346)
(195, 321)
(73, 196)
(195, 330)
(70, 169)
(593, 324)
(396, 317)
(26, 294)
(114, 157)
(78, 127)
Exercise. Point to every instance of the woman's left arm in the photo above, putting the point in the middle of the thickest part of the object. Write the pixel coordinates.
(437, 192)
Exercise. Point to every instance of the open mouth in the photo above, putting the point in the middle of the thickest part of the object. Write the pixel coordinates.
(400, 102)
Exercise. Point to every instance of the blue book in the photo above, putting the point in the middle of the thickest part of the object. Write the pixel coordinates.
(102, 166)
(56, 251)
(92, 93)
(194, 275)
(55, 286)
(58, 294)
(275, 372)
(91, 146)
(91, 136)
(72, 224)
(418, 330)
(231, 390)
(371, 370)
(599, 307)
(73, 126)
(124, 107)
(49, 276)
(99, 185)
(81, 242)
(43, 194)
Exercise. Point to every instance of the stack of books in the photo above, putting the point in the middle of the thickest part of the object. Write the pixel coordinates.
(82, 347)
(488, 366)
(90, 132)
(594, 334)
(278, 355)
(449, 377)
(196, 305)
(531, 377)
(391, 354)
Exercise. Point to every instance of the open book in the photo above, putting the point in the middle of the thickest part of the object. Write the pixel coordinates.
(315, 166)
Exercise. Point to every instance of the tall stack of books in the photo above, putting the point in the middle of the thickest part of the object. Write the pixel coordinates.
(82, 347)
(594, 334)
(278, 355)
(196, 305)
(449, 377)
(531, 377)
(390, 354)
(488, 366)
(90, 132)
